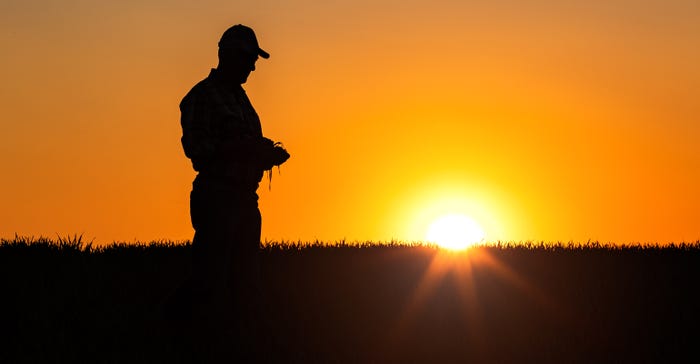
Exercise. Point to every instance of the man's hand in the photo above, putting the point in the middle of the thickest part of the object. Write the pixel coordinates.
(272, 154)
(280, 155)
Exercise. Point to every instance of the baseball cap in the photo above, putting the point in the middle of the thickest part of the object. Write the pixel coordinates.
(243, 38)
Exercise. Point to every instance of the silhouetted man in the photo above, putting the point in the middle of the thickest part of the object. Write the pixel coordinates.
(221, 134)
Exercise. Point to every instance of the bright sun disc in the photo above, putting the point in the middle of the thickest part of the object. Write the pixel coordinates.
(454, 232)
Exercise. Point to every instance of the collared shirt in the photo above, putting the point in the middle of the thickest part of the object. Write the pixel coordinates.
(213, 115)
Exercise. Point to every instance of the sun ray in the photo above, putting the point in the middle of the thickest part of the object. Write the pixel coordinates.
(534, 293)
(442, 264)
(460, 266)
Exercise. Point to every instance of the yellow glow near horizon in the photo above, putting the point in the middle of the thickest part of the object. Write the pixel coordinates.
(455, 232)
(434, 198)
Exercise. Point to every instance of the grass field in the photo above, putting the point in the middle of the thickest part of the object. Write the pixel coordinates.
(64, 301)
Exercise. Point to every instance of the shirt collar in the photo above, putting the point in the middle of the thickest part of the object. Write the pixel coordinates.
(215, 77)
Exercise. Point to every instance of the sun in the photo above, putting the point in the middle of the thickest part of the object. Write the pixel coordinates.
(454, 232)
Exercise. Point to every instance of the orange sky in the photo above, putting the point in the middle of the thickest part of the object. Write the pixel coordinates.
(540, 120)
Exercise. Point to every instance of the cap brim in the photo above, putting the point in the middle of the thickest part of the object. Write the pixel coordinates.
(244, 48)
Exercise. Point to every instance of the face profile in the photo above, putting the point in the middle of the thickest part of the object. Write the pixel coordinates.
(236, 65)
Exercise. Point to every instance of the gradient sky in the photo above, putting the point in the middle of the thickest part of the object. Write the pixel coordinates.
(542, 120)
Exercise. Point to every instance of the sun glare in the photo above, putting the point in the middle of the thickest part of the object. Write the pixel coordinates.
(454, 232)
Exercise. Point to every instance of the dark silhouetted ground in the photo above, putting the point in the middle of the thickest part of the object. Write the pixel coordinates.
(376, 304)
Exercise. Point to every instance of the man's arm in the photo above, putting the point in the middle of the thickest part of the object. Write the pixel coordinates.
(197, 137)
(200, 143)
(259, 151)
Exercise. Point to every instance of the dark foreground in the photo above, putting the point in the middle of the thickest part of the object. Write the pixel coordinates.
(386, 304)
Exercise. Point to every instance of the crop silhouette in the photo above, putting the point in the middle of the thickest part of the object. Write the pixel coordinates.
(67, 300)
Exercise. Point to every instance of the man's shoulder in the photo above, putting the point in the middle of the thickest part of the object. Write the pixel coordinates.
(196, 92)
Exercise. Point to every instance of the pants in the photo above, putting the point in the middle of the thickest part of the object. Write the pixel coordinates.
(225, 268)
(227, 223)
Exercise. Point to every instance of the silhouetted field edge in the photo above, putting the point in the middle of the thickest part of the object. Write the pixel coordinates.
(76, 243)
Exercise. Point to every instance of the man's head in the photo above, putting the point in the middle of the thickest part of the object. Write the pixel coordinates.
(238, 52)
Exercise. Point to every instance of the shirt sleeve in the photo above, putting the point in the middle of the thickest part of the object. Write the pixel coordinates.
(198, 139)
